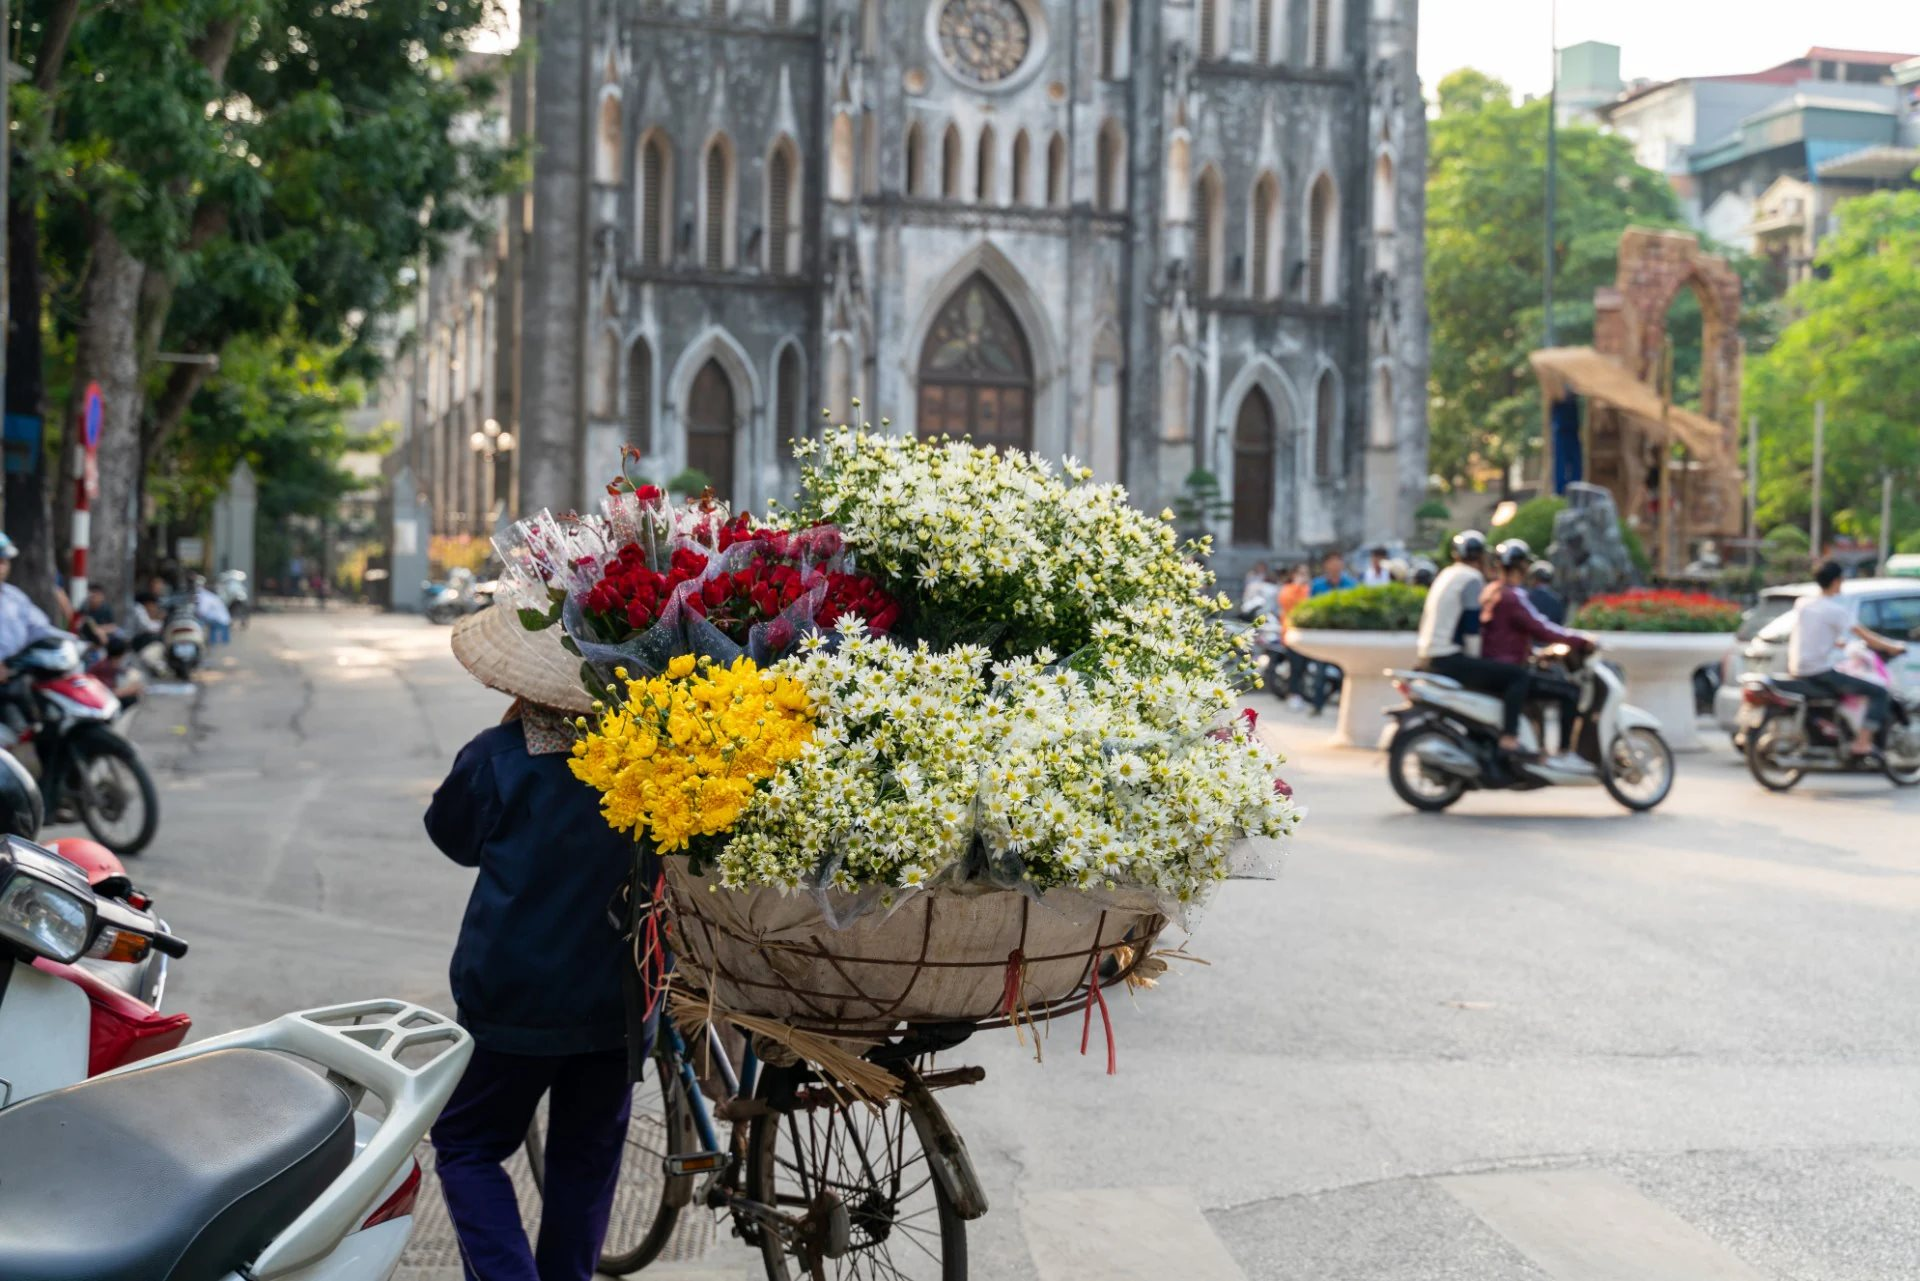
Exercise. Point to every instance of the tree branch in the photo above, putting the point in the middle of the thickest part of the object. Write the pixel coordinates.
(170, 407)
(53, 48)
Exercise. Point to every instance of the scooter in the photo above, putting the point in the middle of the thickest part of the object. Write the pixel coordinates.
(88, 769)
(1791, 728)
(1448, 740)
(221, 1160)
(183, 639)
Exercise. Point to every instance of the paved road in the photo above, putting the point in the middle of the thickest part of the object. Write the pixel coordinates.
(1535, 1038)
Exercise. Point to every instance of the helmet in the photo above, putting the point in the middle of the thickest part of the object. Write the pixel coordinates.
(1542, 571)
(8, 548)
(21, 809)
(1469, 544)
(1513, 553)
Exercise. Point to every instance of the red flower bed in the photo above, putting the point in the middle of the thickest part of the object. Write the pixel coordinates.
(1659, 610)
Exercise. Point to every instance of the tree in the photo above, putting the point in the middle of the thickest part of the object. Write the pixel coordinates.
(1486, 188)
(1853, 341)
(211, 169)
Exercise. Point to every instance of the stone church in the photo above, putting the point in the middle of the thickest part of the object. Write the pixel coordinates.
(1159, 237)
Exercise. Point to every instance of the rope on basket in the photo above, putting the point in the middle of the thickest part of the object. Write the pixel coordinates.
(863, 1082)
(1106, 1019)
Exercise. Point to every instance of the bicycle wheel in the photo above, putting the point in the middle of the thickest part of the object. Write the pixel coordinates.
(647, 1203)
(871, 1205)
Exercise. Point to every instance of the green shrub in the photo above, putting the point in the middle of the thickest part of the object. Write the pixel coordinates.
(1533, 524)
(1910, 544)
(1393, 607)
(689, 483)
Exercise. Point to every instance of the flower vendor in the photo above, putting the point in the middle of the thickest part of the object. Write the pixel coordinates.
(537, 972)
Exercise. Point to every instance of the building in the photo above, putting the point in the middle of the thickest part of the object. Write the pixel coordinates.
(1586, 81)
(1159, 237)
(1794, 214)
(1722, 140)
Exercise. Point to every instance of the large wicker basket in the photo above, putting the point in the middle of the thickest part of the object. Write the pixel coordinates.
(958, 954)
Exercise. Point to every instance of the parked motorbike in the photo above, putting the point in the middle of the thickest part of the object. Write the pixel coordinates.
(1792, 727)
(88, 770)
(449, 602)
(231, 588)
(1447, 742)
(183, 638)
(224, 1159)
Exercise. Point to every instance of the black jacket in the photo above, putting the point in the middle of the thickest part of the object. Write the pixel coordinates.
(538, 966)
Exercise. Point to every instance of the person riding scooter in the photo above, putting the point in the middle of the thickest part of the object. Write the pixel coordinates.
(1510, 627)
(1449, 639)
(1822, 625)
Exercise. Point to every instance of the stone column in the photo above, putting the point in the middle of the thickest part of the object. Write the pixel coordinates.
(552, 352)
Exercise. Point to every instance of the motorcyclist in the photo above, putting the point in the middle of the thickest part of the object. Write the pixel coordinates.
(1822, 627)
(1510, 626)
(21, 624)
(1450, 629)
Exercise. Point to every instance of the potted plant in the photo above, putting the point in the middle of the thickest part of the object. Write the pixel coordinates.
(1659, 638)
(1363, 631)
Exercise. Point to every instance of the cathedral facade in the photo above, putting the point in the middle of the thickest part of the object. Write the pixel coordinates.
(1159, 237)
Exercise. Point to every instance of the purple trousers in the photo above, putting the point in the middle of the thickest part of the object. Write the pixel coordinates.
(487, 1119)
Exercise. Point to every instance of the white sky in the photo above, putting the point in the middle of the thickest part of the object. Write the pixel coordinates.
(1659, 39)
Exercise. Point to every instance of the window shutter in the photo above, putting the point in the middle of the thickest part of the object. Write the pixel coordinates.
(777, 183)
(716, 208)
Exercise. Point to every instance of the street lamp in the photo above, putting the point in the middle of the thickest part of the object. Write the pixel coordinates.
(490, 442)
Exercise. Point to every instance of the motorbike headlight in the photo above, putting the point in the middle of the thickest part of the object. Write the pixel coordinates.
(45, 917)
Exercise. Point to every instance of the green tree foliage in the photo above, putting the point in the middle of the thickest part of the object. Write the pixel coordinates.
(1486, 188)
(210, 171)
(1853, 340)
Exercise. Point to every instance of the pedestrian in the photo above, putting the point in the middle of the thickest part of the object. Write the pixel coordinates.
(1379, 572)
(1333, 575)
(21, 624)
(537, 969)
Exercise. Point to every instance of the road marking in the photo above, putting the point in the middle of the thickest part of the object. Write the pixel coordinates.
(1124, 1234)
(1589, 1225)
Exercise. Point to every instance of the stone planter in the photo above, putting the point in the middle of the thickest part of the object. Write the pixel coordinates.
(1659, 668)
(1363, 657)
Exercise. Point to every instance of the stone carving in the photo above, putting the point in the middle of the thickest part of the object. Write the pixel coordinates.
(1589, 556)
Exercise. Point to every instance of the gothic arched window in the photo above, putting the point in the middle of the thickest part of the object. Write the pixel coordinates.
(1263, 229)
(789, 392)
(655, 200)
(1326, 426)
(783, 208)
(1057, 172)
(1022, 192)
(983, 185)
(976, 371)
(916, 161)
(1323, 242)
(711, 419)
(1209, 227)
(1253, 464)
(1110, 163)
(640, 396)
(716, 201)
(951, 163)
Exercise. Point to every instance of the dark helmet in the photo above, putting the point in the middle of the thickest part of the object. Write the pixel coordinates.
(21, 810)
(1469, 544)
(1542, 571)
(1513, 553)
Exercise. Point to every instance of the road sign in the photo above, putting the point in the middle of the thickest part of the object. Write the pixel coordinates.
(92, 411)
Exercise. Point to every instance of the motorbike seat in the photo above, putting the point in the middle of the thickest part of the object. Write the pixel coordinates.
(1802, 689)
(180, 1172)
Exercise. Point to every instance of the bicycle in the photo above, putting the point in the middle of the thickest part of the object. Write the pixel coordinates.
(824, 1185)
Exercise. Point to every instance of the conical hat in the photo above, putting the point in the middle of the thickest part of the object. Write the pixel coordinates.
(503, 655)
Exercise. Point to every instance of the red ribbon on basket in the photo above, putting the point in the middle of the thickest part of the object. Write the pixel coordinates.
(650, 954)
(1094, 997)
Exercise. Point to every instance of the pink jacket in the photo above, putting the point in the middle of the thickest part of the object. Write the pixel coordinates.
(1510, 626)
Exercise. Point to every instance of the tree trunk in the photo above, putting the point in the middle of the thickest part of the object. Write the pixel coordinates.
(29, 518)
(107, 353)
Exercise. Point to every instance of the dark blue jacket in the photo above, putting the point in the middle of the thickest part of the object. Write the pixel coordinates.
(538, 966)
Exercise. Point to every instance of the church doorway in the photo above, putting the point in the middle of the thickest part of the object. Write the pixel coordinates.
(976, 372)
(711, 420)
(1253, 467)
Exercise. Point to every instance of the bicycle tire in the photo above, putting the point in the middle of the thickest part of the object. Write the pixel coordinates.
(870, 1229)
(617, 1257)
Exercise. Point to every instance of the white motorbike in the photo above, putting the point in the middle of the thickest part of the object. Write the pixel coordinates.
(183, 638)
(223, 1160)
(1448, 740)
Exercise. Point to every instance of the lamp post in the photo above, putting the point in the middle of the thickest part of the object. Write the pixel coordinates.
(490, 442)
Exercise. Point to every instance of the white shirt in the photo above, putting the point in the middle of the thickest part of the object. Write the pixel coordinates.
(21, 622)
(211, 608)
(1371, 577)
(1821, 625)
(1262, 597)
(1455, 591)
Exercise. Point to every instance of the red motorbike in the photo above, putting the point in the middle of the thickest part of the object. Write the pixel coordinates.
(88, 770)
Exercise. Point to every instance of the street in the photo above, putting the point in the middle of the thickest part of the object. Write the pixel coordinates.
(1533, 1038)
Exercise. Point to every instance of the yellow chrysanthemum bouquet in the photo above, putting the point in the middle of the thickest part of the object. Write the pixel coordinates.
(678, 757)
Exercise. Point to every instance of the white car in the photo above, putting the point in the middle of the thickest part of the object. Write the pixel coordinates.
(1890, 606)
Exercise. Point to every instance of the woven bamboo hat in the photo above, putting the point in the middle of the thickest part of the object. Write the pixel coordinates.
(503, 655)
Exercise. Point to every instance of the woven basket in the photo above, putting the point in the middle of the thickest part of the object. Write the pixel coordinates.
(948, 955)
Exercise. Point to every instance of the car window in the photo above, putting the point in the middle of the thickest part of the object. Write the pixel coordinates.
(1764, 611)
(1894, 616)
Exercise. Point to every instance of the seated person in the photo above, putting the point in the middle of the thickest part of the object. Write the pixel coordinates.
(1822, 625)
(1450, 621)
(1509, 629)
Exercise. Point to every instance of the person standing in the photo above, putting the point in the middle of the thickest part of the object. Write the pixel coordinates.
(537, 971)
(1333, 575)
(1378, 572)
